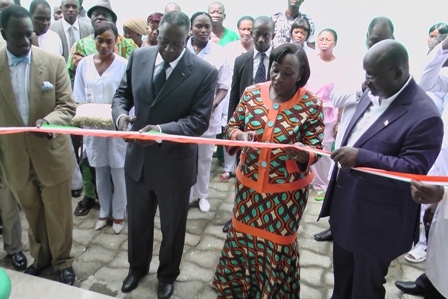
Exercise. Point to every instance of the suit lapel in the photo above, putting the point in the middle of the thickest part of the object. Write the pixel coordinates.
(249, 66)
(6, 91)
(396, 110)
(360, 109)
(36, 81)
(179, 74)
(147, 65)
(61, 32)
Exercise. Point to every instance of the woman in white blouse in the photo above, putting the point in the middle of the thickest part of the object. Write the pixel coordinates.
(97, 78)
(200, 44)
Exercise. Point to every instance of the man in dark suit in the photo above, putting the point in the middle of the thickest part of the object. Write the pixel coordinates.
(172, 91)
(248, 68)
(69, 28)
(373, 219)
(247, 65)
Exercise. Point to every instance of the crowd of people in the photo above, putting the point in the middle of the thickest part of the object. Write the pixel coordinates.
(276, 80)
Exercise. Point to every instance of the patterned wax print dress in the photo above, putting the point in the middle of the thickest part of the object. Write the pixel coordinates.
(260, 257)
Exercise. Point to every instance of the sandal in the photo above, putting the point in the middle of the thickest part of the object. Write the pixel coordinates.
(225, 176)
(416, 255)
(84, 206)
(320, 195)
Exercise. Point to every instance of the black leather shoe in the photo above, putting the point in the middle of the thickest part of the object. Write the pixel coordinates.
(409, 287)
(227, 226)
(67, 276)
(32, 271)
(324, 236)
(19, 261)
(130, 282)
(77, 192)
(165, 290)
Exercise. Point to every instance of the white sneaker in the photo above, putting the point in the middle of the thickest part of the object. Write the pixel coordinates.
(100, 223)
(204, 205)
(118, 227)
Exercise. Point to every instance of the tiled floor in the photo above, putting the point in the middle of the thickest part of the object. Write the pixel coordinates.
(27, 287)
(101, 261)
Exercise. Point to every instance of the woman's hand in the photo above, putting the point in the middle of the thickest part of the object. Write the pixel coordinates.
(298, 155)
(247, 136)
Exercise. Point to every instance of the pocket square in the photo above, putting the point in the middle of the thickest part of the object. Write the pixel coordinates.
(46, 86)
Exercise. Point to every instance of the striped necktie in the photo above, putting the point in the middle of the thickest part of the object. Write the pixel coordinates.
(260, 76)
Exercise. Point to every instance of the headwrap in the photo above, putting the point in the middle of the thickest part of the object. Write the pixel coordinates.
(137, 25)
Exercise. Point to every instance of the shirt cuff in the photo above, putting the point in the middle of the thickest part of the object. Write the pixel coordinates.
(118, 120)
(160, 130)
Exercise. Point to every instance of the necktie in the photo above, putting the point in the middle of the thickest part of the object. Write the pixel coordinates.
(160, 78)
(71, 37)
(16, 60)
(260, 76)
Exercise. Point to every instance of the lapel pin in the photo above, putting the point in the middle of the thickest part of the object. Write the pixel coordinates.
(386, 123)
(183, 74)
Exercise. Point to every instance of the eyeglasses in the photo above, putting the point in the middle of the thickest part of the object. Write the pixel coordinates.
(371, 78)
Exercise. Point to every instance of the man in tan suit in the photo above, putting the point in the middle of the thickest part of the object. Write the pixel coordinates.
(37, 167)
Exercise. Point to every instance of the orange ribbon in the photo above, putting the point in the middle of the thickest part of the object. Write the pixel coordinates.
(407, 177)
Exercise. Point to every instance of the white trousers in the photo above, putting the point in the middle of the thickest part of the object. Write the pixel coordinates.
(205, 156)
(77, 182)
(321, 170)
(229, 162)
(115, 201)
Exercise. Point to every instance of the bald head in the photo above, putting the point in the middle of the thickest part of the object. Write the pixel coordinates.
(387, 68)
(388, 52)
(172, 6)
(380, 28)
(266, 21)
(218, 4)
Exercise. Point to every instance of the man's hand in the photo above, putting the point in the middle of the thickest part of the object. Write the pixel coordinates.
(147, 129)
(124, 121)
(445, 44)
(39, 124)
(424, 193)
(123, 125)
(345, 156)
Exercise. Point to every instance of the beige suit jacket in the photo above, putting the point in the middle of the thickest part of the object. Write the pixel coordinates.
(51, 159)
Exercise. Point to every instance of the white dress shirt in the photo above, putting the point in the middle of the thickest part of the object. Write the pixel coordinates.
(169, 70)
(372, 114)
(51, 42)
(76, 32)
(20, 80)
(257, 59)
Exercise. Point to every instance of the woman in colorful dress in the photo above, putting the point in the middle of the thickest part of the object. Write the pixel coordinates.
(260, 257)
(97, 78)
(201, 45)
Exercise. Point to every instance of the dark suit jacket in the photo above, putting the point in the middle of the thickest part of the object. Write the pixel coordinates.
(183, 107)
(373, 215)
(243, 75)
(85, 29)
